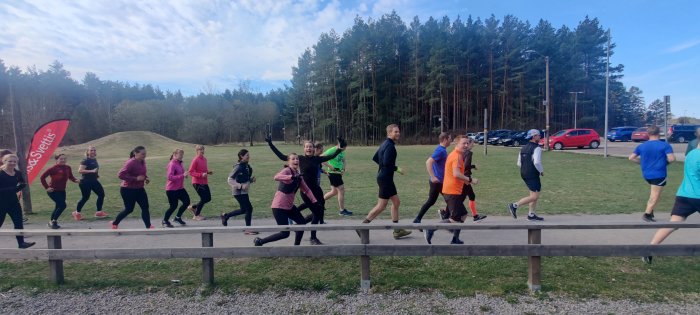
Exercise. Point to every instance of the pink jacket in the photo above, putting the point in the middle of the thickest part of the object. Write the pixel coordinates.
(176, 175)
(198, 168)
(132, 169)
(286, 201)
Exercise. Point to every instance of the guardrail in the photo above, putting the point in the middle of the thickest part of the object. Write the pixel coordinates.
(534, 250)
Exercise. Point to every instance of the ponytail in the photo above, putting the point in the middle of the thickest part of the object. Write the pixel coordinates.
(241, 154)
(136, 150)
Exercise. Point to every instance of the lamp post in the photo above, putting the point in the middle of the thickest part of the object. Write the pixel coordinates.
(575, 106)
(546, 97)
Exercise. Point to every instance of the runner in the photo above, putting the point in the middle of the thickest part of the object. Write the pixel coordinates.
(11, 182)
(4, 152)
(468, 190)
(88, 183)
(59, 174)
(175, 189)
(530, 163)
(134, 176)
(653, 156)
(240, 179)
(687, 198)
(335, 169)
(692, 145)
(385, 157)
(452, 186)
(309, 165)
(290, 180)
(200, 181)
(436, 170)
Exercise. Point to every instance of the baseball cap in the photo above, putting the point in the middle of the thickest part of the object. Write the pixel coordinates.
(531, 133)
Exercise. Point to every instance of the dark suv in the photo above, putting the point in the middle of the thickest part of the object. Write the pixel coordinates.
(623, 134)
(681, 133)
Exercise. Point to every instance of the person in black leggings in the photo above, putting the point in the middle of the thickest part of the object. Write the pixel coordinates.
(88, 184)
(11, 182)
(56, 189)
(240, 179)
(134, 177)
(4, 152)
(199, 170)
(436, 170)
(175, 189)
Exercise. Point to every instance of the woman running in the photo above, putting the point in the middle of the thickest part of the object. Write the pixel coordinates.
(240, 179)
(59, 174)
(89, 183)
(11, 182)
(134, 177)
(200, 173)
(283, 204)
(175, 189)
(4, 152)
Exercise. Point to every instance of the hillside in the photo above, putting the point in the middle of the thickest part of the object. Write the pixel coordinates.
(121, 143)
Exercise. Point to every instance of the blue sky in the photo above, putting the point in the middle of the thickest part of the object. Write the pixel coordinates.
(207, 46)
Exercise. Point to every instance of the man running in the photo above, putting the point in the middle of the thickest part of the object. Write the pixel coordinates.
(335, 169)
(692, 145)
(687, 198)
(530, 163)
(436, 170)
(452, 186)
(385, 157)
(653, 156)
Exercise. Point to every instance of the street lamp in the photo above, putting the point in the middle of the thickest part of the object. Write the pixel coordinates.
(546, 97)
(575, 106)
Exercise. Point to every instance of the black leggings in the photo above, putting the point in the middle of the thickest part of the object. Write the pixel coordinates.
(204, 197)
(435, 191)
(246, 208)
(59, 198)
(13, 209)
(173, 197)
(282, 217)
(317, 209)
(86, 187)
(468, 191)
(131, 197)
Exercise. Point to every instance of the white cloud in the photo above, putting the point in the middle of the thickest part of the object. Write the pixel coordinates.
(683, 46)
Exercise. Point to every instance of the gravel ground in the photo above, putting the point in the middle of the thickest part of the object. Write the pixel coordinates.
(120, 302)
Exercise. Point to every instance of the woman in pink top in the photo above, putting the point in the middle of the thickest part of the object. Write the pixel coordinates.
(56, 189)
(175, 189)
(283, 208)
(134, 177)
(200, 174)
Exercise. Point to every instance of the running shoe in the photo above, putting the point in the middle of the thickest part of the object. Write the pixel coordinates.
(257, 241)
(315, 241)
(77, 216)
(479, 218)
(429, 236)
(443, 214)
(25, 245)
(151, 227)
(53, 225)
(100, 214)
(647, 259)
(534, 217)
(114, 226)
(290, 221)
(399, 233)
(191, 209)
(166, 224)
(199, 218)
(648, 217)
(224, 219)
(416, 221)
(179, 220)
(457, 242)
(248, 232)
(25, 220)
(345, 212)
(512, 209)
(309, 218)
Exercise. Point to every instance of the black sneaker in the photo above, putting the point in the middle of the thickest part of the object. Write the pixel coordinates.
(345, 212)
(25, 220)
(224, 219)
(25, 245)
(257, 241)
(647, 259)
(479, 218)
(53, 225)
(429, 236)
(166, 224)
(648, 217)
(315, 241)
(179, 221)
(512, 209)
(457, 242)
(534, 217)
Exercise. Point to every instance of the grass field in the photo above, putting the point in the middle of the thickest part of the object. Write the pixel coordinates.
(573, 183)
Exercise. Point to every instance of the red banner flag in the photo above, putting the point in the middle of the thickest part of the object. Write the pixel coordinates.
(44, 143)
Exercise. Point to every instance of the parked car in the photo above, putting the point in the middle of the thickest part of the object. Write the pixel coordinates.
(681, 133)
(516, 139)
(640, 134)
(471, 135)
(574, 138)
(623, 134)
(493, 139)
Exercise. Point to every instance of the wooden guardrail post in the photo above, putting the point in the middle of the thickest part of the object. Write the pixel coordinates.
(365, 283)
(55, 266)
(208, 263)
(534, 236)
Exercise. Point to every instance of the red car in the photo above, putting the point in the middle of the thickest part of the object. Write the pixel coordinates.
(640, 134)
(573, 138)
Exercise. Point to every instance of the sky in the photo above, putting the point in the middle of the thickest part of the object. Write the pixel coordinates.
(209, 46)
